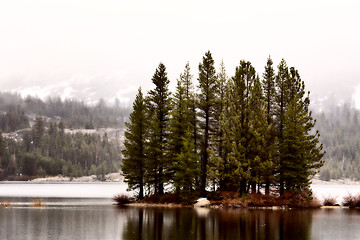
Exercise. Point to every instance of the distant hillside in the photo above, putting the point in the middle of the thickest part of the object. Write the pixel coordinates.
(19, 113)
(340, 134)
(42, 138)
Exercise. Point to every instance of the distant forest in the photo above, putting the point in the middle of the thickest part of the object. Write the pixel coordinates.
(40, 146)
(73, 113)
(48, 150)
(339, 128)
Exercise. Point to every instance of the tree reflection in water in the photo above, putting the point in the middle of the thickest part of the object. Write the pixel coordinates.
(188, 223)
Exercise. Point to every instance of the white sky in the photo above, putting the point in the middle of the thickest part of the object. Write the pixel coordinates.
(89, 49)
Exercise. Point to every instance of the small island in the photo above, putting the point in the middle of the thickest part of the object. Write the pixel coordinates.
(243, 141)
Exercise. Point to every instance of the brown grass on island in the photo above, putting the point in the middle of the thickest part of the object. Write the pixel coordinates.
(228, 199)
(256, 200)
(330, 201)
(122, 199)
(6, 204)
(38, 202)
(351, 201)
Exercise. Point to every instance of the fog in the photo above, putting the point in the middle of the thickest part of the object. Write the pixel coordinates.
(90, 49)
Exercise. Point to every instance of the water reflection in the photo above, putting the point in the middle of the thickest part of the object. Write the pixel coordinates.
(59, 223)
(153, 223)
(80, 221)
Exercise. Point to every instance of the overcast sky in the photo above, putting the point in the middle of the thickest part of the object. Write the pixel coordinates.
(88, 49)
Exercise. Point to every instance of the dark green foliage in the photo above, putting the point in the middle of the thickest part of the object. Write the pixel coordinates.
(134, 161)
(3, 154)
(340, 134)
(242, 124)
(218, 152)
(14, 119)
(269, 93)
(182, 136)
(249, 133)
(159, 106)
(300, 152)
(38, 131)
(53, 152)
(206, 104)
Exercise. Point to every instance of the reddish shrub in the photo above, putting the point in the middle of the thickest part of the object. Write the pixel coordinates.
(351, 201)
(329, 201)
(122, 199)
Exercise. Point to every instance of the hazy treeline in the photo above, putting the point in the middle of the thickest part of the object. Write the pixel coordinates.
(48, 150)
(73, 113)
(14, 119)
(340, 135)
(242, 133)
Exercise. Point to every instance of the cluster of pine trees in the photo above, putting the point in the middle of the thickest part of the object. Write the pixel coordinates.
(237, 134)
(47, 150)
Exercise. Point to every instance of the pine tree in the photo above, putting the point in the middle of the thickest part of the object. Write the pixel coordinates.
(38, 131)
(191, 103)
(159, 105)
(217, 151)
(244, 81)
(134, 161)
(181, 139)
(260, 156)
(187, 168)
(238, 130)
(53, 131)
(178, 124)
(207, 99)
(268, 85)
(2, 152)
(282, 85)
(300, 150)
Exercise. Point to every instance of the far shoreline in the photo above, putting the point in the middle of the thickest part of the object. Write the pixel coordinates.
(111, 177)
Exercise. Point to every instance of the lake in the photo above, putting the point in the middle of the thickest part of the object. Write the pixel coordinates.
(73, 212)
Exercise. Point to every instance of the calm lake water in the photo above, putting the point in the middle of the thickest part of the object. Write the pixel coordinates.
(81, 216)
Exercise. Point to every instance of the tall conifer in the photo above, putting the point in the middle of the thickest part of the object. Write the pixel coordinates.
(269, 93)
(282, 85)
(134, 161)
(159, 103)
(299, 147)
(207, 100)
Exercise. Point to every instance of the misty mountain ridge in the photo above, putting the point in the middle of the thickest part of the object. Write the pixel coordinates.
(73, 113)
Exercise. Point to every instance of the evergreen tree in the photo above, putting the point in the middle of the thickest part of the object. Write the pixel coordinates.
(187, 169)
(299, 148)
(207, 101)
(2, 153)
(282, 85)
(243, 85)
(260, 156)
(191, 103)
(159, 105)
(181, 138)
(52, 132)
(268, 85)
(134, 161)
(38, 131)
(221, 84)
(178, 125)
